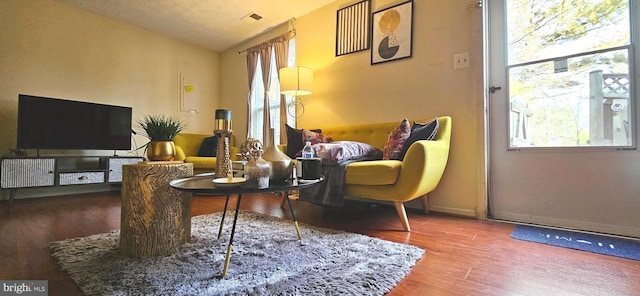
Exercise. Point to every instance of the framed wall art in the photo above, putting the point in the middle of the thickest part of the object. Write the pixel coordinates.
(392, 33)
(352, 28)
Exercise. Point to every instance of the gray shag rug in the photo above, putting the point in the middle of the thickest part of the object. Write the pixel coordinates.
(267, 259)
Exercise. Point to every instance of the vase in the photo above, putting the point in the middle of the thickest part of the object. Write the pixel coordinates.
(161, 151)
(280, 165)
(256, 173)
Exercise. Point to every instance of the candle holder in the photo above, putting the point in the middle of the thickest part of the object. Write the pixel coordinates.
(223, 132)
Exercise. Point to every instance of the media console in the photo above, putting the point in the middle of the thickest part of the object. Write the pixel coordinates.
(49, 171)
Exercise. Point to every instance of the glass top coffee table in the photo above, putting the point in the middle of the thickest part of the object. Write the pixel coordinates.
(203, 184)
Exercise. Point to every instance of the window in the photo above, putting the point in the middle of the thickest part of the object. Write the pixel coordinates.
(569, 65)
(257, 98)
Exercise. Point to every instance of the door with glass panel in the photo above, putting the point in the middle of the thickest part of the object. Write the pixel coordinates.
(562, 106)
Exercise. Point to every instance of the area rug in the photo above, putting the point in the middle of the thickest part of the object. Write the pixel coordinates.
(267, 259)
(600, 244)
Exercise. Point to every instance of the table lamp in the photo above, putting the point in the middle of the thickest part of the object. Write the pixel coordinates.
(222, 130)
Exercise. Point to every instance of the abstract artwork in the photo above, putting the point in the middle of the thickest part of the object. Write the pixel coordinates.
(352, 28)
(392, 30)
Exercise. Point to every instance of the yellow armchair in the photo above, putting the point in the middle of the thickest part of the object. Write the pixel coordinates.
(393, 180)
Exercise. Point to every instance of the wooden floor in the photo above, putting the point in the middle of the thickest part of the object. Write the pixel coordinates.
(463, 256)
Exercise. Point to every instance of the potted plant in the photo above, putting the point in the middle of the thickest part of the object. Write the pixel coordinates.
(160, 130)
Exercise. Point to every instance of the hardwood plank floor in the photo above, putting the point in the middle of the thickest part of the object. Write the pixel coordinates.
(463, 256)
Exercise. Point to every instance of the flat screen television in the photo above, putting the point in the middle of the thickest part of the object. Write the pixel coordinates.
(50, 123)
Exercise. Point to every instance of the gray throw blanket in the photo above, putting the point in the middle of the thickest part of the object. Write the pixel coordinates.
(331, 191)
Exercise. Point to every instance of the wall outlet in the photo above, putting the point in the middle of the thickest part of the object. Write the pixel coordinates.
(461, 60)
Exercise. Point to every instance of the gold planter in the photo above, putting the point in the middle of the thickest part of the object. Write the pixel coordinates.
(161, 151)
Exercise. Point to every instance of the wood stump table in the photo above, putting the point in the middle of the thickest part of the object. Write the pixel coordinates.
(155, 218)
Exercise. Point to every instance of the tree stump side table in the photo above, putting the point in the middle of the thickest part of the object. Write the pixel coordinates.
(155, 219)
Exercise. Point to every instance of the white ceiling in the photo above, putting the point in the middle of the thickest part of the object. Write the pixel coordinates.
(214, 24)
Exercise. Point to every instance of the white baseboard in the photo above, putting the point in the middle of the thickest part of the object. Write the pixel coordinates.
(454, 211)
(417, 204)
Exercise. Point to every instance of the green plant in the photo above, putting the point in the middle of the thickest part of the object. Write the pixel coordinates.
(160, 127)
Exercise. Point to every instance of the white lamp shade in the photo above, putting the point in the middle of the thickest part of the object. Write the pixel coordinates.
(296, 81)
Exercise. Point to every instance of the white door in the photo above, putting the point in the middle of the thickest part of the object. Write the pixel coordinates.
(562, 106)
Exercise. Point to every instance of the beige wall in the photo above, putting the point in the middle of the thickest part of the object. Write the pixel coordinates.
(54, 50)
(348, 90)
(50, 49)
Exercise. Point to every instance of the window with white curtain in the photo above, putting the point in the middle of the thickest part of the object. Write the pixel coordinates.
(257, 97)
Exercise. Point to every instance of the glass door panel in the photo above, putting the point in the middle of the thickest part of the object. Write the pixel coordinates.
(577, 101)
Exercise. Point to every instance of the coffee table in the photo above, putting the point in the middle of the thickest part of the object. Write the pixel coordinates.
(203, 184)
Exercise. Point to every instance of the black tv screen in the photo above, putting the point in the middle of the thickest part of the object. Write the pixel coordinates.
(49, 123)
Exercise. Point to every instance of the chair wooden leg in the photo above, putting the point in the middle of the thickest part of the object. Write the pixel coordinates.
(425, 204)
(403, 215)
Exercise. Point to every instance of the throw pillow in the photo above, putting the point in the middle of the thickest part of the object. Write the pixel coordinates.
(335, 152)
(295, 141)
(419, 131)
(208, 147)
(396, 139)
(314, 137)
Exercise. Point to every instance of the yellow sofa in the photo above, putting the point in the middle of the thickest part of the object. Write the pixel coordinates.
(394, 180)
(187, 147)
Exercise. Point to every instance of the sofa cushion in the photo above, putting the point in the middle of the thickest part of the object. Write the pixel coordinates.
(295, 142)
(375, 172)
(420, 131)
(208, 147)
(396, 139)
(346, 150)
(201, 162)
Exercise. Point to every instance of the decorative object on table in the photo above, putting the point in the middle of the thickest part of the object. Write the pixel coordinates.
(160, 130)
(275, 262)
(310, 168)
(226, 183)
(392, 30)
(307, 153)
(256, 170)
(296, 81)
(237, 167)
(248, 147)
(223, 131)
(352, 28)
(280, 165)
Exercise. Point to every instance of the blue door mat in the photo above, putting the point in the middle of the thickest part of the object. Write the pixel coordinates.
(613, 246)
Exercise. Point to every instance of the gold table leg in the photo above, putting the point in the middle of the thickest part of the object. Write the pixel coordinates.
(293, 215)
(226, 262)
(229, 247)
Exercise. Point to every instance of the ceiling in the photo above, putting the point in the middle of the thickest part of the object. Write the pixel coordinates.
(214, 24)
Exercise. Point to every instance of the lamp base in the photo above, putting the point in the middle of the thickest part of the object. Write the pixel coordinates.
(295, 108)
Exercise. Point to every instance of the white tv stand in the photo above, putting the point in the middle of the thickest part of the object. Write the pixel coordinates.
(49, 171)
